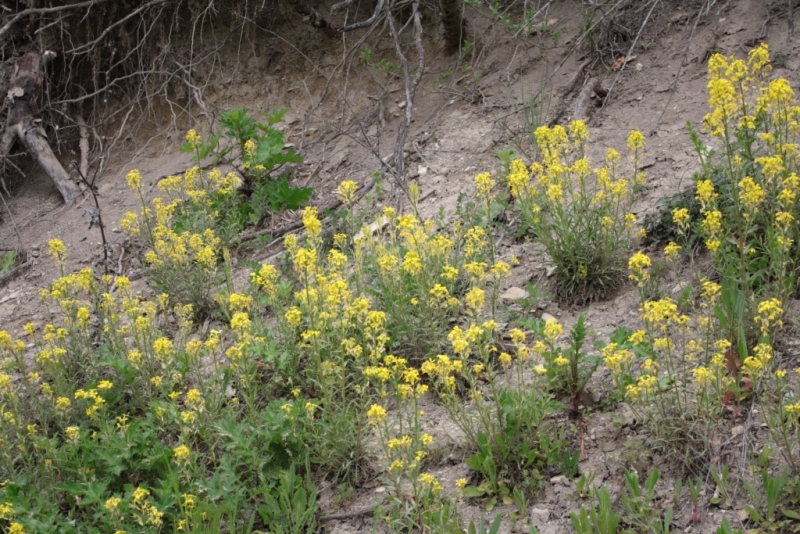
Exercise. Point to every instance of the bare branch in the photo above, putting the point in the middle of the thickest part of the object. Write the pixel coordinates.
(42, 11)
(365, 23)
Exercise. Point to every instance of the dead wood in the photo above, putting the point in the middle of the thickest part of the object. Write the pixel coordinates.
(581, 105)
(22, 123)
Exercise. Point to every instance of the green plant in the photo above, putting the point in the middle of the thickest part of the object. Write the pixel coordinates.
(585, 485)
(291, 507)
(766, 497)
(725, 528)
(569, 368)
(533, 108)
(598, 520)
(511, 437)
(722, 495)
(181, 246)
(483, 528)
(257, 150)
(749, 216)
(639, 507)
(581, 216)
(7, 260)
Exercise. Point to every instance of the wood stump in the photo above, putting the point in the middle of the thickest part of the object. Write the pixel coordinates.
(22, 123)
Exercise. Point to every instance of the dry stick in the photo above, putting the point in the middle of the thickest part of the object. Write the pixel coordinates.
(791, 16)
(84, 145)
(93, 191)
(630, 52)
(365, 23)
(411, 87)
(678, 75)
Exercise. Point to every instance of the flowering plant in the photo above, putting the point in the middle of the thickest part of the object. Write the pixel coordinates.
(581, 215)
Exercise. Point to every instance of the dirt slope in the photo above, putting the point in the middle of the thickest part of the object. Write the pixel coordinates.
(458, 114)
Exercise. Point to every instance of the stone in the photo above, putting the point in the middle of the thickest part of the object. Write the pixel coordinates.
(540, 516)
(514, 293)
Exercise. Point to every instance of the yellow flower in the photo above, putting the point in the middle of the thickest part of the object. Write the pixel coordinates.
(552, 330)
(672, 250)
(397, 464)
(376, 414)
(484, 183)
(347, 191)
(555, 193)
(140, 494)
(57, 249)
(112, 504)
(637, 337)
(578, 130)
(635, 141)
(134, 179)
(193, 138)
(505, 359)
(461, 483)
(638, 265)
(705, 192)
(561, 361)
(703, 377)
(72, 432)
(311, 222)
(182, 453)
(16, 528)
(163, 348)
(475, 298)
(751, 194)
(293, 316)
(240, 322)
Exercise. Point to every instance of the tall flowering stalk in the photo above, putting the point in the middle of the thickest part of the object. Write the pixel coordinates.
(581, 215)
(748, 191)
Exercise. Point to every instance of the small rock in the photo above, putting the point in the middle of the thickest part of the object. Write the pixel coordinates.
(547, 317)
(560, 479)
(639, 67)
(550, 271)
(540, 515)
(626, 415)
(738, 429)
(514, 293)
(116, 230)
(743, 515)
(380, 489)
(402, 104)
(422, 171)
